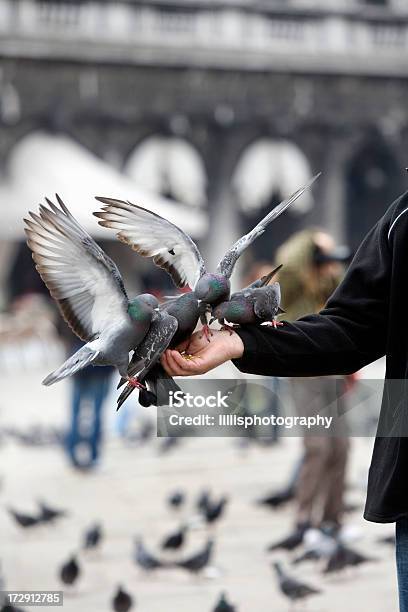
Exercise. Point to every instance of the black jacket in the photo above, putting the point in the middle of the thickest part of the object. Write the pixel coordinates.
(366, 318)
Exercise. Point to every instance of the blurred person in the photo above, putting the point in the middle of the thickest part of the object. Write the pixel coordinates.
(363, 320)
(89, 390)
(312, 269)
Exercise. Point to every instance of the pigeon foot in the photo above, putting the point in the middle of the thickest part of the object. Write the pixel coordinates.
(135, 383)
(207, 333)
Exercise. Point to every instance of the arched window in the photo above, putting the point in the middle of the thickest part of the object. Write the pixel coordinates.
(267, 172)
(171, 167)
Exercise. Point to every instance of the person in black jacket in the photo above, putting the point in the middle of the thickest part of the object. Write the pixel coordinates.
(365, 318)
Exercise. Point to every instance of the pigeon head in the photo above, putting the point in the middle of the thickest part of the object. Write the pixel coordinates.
(140, 310)
(149, 299)
(212, 288)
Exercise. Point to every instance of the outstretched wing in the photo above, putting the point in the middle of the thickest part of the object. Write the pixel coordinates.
(230, 258)
(153, 236)
(84, 281)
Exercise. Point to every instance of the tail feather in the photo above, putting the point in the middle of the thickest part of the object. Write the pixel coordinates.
(78, 361)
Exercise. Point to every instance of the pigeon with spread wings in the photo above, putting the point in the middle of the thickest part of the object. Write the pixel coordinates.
(89, 291)
(153, 236)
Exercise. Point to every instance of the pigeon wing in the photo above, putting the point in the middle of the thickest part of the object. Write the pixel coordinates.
(83, 280)
(230, 258)
(153, 236)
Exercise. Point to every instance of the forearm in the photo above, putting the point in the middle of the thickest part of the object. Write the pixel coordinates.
(312, 346)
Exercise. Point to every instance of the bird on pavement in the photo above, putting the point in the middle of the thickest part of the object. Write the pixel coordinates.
(223, 605)
(213, 511)
(292, 541)
(203, 501)
(89, 291)
(145, 559)
(292, 588)
(257, 303)
(49, 514)
(175, 540)
(197, 562)
(343, 557)
(277, 499)
(173, 250)
(176, 499)
(122, 601)
(26, 521)
(70, 571)
(93, 537)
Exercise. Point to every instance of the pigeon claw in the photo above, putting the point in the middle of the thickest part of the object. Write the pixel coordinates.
(207, 333)
(228, 327)
(135, 383)
(274, 324)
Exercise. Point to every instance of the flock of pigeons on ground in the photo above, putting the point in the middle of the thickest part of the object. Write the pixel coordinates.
(324, 548)
(90, 293)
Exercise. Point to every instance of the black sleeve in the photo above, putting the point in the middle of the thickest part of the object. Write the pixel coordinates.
(348, 334)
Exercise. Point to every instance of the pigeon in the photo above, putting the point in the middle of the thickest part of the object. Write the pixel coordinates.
(93, 537)
(175, 540)
(145, 559)
(223, 605)
(173, 250)
(343, 557)
(70, 571)
(389, 540)
(203, 501)
(292, 541)
(257, 303)
(173, 324)
(275, 500)
(26, 521)
(292, 588)
(196, 563)
(176, 499)
(122, 601)
(213, 511)
(49, 514)
(318, 545)
(89, 291)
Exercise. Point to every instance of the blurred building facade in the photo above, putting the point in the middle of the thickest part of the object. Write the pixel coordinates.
(223, 104)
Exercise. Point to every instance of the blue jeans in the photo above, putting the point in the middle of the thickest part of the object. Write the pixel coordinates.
(90, 392)
(402, 562)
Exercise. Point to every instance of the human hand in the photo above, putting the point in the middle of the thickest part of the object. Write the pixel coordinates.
(203, 356)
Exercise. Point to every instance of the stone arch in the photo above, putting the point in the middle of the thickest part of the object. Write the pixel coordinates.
(170, 166)
(269, 170)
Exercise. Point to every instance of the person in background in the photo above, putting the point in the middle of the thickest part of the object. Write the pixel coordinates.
(89, 389)
(312, 269)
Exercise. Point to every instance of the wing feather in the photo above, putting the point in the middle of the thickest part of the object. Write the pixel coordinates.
(230, 258)
(153, 236)
(84, 281)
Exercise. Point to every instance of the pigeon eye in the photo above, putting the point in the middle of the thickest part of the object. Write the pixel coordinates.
(171, 251)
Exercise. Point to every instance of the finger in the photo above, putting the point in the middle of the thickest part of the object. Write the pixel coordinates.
(175, 367)
(186, 367)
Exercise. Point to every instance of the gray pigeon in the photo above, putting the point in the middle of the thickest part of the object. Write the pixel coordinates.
(144, 559)
(89, 291)
(173, 324)
(292, 588)
(257, 303)
(153, 236)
